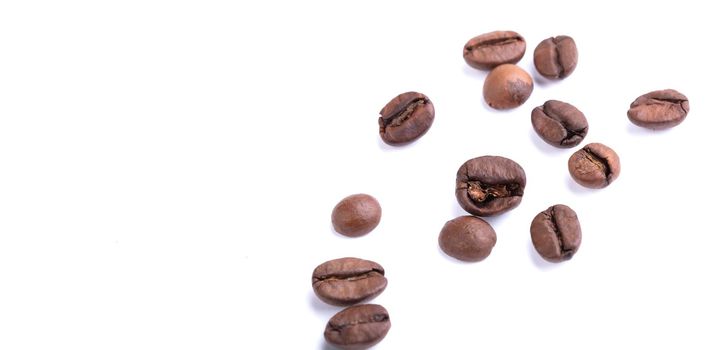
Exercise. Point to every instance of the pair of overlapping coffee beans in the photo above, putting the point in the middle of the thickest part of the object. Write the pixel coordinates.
(486, 185)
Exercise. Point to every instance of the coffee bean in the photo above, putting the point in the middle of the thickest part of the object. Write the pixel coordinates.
(489, 50)
(556, 233)
(405, 118)
(356, 215)
(507, 86)
(467, 238)
(556, 58)
(358, 327)
(348, 281)
(559, 124)
(490, 185)
(660, 109)
(594, 166)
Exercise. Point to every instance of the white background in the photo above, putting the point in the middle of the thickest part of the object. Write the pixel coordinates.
(168, 170)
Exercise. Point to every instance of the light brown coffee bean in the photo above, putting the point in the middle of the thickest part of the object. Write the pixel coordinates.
(594, 166)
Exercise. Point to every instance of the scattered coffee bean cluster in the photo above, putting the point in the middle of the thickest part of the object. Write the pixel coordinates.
(486, 185)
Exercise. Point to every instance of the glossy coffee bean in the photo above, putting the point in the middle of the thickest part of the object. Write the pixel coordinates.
(467, 238)
(559, 124)
(507, 86)
(358, 327)
(348, 281)
(594, 166)
(556, 233)
(661, 109)
(356, 215)
(405, 118)
(489, 50)
(556, 58)
(490, 185)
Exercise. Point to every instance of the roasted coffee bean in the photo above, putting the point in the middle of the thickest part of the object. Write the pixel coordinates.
(490, 185)
(556, 233)
(659, 109)
(507, 86)
(406, 118)
(489, 50)
(356, 215)
(556, 58)
(594, 166)
(348, 281)
(358, 327)
(467, 238)
(560, 124)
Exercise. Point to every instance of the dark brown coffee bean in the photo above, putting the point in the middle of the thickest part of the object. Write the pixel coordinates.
(490, 185)
(356, 215)
(556, 58)
(556, 233)
(467, 238)
(659, 109)
(348, 281)
(358, 327)
(489, 50)
(594, 166)
(406, 118)
(507, 86)
(560, 124)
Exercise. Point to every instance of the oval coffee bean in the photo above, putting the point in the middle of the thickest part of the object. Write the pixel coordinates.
(356, 215)
(556, 233)
(490, 185)
(348, 281)
(660, 109)
(507, 86)
(560, 124)
(489, 50)
(594, 166)
(358, 327)
(467, 238)
(556, 58)
(406, 118)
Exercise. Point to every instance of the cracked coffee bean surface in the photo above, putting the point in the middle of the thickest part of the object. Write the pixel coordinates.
(556, 233)
(406, 118)
(348, 281)
(490, 185)
(594, 166)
